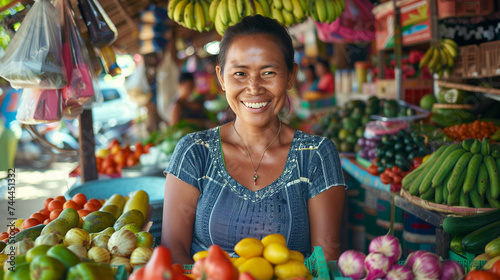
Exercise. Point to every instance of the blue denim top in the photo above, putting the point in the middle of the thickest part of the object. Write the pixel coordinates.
(228, 212)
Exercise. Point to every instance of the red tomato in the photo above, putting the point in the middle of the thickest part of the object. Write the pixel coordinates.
(159, 263)
(373, 169)
(496, 268)
(384, 178)
(481, 275)
(147, 147)
(396, 179)
(112, 143)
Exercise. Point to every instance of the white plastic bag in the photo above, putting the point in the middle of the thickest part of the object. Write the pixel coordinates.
(33, 58)
(137, 85)
(40, 106)
(167, 74)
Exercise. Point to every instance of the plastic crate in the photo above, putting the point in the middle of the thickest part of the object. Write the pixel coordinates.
(467, 63)
(153, 185)
(464, 8)
(490, 58)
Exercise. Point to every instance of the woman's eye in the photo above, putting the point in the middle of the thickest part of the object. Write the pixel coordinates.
(269, 73)
(239, 74)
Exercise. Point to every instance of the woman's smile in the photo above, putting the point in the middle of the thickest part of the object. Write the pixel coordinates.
(255, 105)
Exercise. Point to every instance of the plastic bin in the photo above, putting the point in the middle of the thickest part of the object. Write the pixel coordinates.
(464, 8)
(154, 186)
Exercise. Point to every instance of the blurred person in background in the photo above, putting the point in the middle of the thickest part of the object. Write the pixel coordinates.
(326, 80)
(310, 81)
(185, 107)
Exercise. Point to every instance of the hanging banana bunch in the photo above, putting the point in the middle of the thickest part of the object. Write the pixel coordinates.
(325, 10)
(440, 58)
(192, 14)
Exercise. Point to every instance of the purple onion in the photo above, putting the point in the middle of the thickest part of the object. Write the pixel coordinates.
(452, 270)
(425, 265)
(387, 245)
(352, 264)
(400, 272)
(377, 265)
(361, 142)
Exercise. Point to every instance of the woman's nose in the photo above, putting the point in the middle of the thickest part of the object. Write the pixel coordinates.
(255, 86)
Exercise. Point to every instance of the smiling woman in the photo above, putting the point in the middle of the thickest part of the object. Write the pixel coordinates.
(256, 175)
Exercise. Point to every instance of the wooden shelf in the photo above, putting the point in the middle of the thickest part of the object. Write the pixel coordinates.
(466, 87)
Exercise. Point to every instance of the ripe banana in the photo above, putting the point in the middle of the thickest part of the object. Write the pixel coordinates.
(220, 26)
(277, 4)
(298, 12)
(212, 10)
(171, 7)
(179, 11)
(265, 6)
(450, 42)
(277, 15)
(426, 58)
(233, 11)
(451, 49)
(287, 5)
(434, 62)
(288, 16)
(189, 15)
(223, 12)
(199, 16)
(249, 9)
(258, 8)
(240, 6)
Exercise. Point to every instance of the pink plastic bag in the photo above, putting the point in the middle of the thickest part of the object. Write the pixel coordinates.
(356, 24)
(76, 58)
(40, 106)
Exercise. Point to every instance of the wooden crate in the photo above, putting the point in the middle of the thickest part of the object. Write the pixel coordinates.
(490, 58)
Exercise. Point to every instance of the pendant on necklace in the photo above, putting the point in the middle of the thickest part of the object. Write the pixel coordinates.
(255, 178)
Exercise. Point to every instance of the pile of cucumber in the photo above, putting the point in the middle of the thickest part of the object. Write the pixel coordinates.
(461, 174)
(478, 234)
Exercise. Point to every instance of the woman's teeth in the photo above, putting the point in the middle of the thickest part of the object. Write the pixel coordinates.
(255, 105)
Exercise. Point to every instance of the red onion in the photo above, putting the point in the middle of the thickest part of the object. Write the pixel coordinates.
(377, 265)
(387, 245)
(425, 265)
(352, 264)
(452, 270)
(400, 272)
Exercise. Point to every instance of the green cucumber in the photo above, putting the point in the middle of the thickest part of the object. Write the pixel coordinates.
(493, 202)
(467, 143)
(472, 170)
(467, 224)
(438, 196)
(31, 233)
(458, 170)
(445, 164)
(475, 148)
(428, 195)
(454, 197)
(485, 147)
(476, 241)
(495, 150)
(456, 244)
(450, 150)
(411, 179)
(493, 248)
(446, 193)
(476, 199)
(482, 179)
(491, 166)
(464, 199)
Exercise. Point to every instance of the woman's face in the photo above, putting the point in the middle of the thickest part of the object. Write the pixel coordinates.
(256, 78)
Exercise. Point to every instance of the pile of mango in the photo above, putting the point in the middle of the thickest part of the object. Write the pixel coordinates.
(73, 247)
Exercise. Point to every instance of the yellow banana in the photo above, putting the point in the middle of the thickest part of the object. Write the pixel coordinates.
(449, 57)
(321, 9)
(331, 14)
(443, 58)
(287, 5)
(249, 9)
(450, 48)
(223, 12)
(434, 62)
(277, 4)
(179, 11)
(258, 8)
(220, 27)
(199, 15)
(171, 8)
(298, 12)
(212, 10)
(426, 58)
(303, 4)
(240, 6)
(450, 42)
(189, 15)
(265, 6)
(288, 16)
(233, 11)
(277, 15)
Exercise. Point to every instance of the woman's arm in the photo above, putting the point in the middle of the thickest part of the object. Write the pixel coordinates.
(175, 114)
(179, 211)
(325, 214)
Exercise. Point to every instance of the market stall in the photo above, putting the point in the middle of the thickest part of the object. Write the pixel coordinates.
(413, 111)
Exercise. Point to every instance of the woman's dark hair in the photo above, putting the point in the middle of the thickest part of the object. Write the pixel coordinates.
(185, 76)
(258, 25)
(310, 67)
(323, 62)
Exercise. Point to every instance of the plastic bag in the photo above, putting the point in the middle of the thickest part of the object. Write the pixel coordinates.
(356, 24)
(34, 57)
(101, 29)
(137, 85)
(76, 59)
(166, 78)
(40, 106)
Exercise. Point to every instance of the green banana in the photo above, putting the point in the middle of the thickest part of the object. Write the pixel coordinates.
(277, 4)
(179, 11)
(249, 8)
(189, 15)
(223, 12)
(443, 59)
(208, 22)
(330, 12)
(287, 5)
(199, 16)
(312, 10)
(212, 10)
(342, 4)
(426, 58)
(321, 9)
(233, 11)
(277, 15)
(298, 12)
(434, 62)
(450, 59)
(303, 4)
(338, 9)
(220, 26)
(240, 6)
(288, 16)
(265, 7)
(171, 7)
(258, 9)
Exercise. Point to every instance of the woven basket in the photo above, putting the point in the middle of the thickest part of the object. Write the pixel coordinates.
(457, 210)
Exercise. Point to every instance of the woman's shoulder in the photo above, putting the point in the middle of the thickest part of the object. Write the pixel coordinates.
(203, 137)
(305, 139)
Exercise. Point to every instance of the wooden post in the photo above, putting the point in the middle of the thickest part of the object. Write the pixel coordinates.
(86, 139)
(398, 51)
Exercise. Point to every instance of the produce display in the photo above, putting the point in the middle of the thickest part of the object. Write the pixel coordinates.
(382, 262)
(476, 129)
(440, 58)
(464, 174)
(78, 238)
(202, 15)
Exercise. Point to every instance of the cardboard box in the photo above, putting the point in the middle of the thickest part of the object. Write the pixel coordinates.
(415, 21)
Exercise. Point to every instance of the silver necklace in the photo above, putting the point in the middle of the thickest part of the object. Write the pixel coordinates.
(248, 152)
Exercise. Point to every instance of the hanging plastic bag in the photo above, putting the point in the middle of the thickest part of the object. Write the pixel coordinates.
(356, 24)
(40, 106)
(137, 85)
(101, 29)
(33, 57)
(166, 76)
(76, 59)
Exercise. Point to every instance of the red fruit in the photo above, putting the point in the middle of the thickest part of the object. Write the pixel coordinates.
(46, 202)
(30, 222)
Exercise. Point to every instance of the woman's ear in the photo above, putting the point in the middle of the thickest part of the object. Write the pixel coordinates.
(292, 76)
(218, 70)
